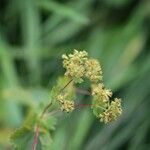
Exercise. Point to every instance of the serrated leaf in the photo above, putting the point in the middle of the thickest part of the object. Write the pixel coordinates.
(49, 123)
(45, 141)
(61, 82)
(23, 139)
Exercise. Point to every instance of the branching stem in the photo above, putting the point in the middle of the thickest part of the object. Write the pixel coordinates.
(35, 142)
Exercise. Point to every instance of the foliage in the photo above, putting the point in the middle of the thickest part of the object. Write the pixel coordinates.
(77, 65)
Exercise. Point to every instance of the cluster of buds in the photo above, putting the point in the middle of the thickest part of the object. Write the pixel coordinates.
(100, 93)
(109, 111)
(78, 65)
(112, 112)
(93, 70)
(66, 105)
(75, 65)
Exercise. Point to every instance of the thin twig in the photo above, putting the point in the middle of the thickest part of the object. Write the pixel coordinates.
(45, 110)
(66, 85)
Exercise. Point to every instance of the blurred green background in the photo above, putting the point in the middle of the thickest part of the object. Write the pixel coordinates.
(33, 36)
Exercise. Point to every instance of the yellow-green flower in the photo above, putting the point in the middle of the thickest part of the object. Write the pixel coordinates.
(78, 66)
(93, 70)
(67, 106)
(75, 64)
(100, 93)
(112, 112)
(61, 98)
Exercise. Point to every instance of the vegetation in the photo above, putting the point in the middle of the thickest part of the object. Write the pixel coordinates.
(33, 36)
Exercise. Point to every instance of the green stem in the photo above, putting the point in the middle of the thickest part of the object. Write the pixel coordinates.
(101, 107)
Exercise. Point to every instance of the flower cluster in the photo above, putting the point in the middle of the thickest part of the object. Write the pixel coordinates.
(66, 105)
(112, 112)
(75, 64)
(78, 65)
(100, 93)
(109, 111)
(93, 70)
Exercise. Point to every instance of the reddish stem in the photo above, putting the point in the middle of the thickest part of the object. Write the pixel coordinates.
(35, 142)
(36, 137)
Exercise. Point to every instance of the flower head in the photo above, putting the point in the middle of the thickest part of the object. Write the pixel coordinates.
(67, 106)
(61, 98)
(93, 70)
(112, 112)
(75, 64)
(100, 93)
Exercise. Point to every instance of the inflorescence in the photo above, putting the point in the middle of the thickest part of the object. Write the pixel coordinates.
(79, 66)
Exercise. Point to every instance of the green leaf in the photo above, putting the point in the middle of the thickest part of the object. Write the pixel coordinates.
(23, 139)
(96, 107)
(45, 141)
(61, 83)
(49, 123)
